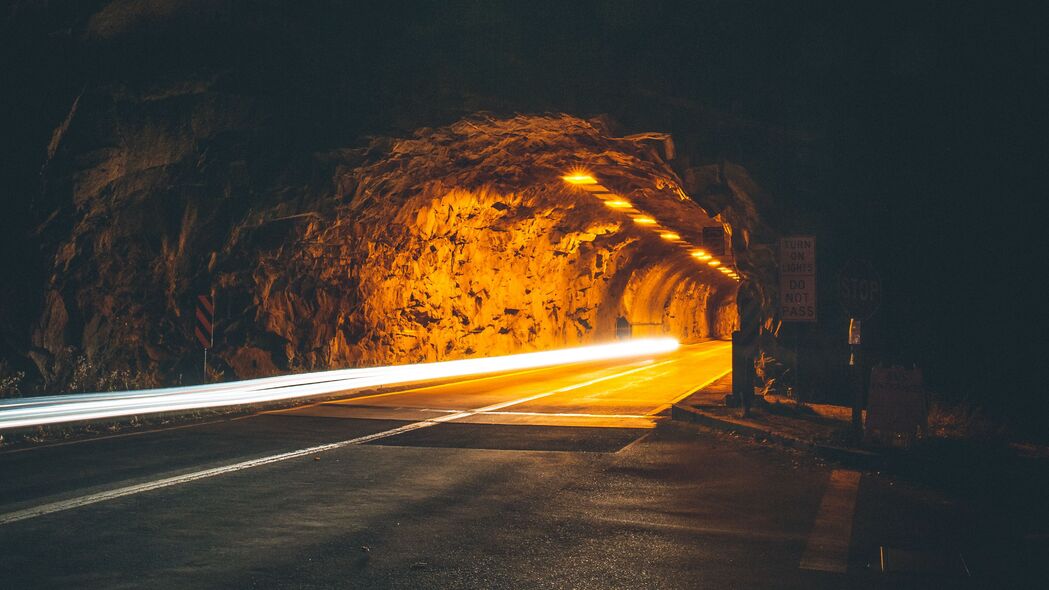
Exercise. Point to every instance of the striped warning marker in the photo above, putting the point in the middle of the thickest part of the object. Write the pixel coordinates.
(205, 328)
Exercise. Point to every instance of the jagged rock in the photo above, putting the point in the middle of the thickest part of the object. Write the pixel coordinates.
(458, 241)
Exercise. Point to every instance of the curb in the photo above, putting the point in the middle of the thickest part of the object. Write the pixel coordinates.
(845, 455)
(689, 414)
(854, 457)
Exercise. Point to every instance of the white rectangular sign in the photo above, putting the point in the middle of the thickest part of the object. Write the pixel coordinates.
(797, 279)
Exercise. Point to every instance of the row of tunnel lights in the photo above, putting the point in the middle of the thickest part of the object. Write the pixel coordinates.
(588, 183)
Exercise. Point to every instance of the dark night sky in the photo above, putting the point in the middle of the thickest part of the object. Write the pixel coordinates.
(927, 121)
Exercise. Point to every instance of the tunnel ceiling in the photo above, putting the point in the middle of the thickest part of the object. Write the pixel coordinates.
(458, 241)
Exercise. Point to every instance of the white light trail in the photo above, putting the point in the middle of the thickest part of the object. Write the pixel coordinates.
(26, 412)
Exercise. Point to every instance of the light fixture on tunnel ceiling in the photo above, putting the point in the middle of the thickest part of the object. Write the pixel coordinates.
(579, 178)
(587, 182)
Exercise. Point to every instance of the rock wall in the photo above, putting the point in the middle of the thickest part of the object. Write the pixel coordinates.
(458, 241)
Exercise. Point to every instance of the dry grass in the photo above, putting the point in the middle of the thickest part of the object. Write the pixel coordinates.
(963, 420)
(11, 383)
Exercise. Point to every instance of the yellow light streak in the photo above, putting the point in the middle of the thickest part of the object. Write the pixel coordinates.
(670, 236)
(618, 204)
(35, 411)
(701, 254)
(714, 262)
(644, 220)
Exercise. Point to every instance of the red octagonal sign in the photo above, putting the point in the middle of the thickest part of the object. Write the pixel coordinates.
(859, 289)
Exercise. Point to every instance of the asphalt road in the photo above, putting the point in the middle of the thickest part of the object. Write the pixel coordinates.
(567, 477)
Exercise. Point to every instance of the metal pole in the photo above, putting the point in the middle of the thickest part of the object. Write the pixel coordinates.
(797, 364)
(212, 339)
(856, 375)
(213, 314)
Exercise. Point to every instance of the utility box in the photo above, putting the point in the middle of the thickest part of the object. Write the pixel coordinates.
(742, 369)
(897, 407)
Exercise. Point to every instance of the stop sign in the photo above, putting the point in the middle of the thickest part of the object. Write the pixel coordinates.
(859, 289)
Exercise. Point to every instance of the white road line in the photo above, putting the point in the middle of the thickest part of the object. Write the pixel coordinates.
(739, 533)
(827, 549)
(687, 393)
(695, 389)
(562, 414)
(635, 442)
(180, 479)
(349, 401)
(53, 507)
(26, 412)
(67, 443)
(502, 405)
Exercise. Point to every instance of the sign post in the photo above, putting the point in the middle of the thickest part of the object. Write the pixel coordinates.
(205, 328)
(859, 289)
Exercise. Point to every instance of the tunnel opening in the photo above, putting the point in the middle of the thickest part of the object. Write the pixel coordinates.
(496, 236)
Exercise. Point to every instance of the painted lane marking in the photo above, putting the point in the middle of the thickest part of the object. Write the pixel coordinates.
(562, 414)
(827, 549)
(702, 351)
(350, 400)
(696, 350)
(502, 405)
(67, 443)
(40, 411)
(89, 499)
(635, 442)
(739, 533)
(688, 393)
(63, 505)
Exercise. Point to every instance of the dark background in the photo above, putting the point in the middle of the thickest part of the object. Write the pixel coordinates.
(909, 134)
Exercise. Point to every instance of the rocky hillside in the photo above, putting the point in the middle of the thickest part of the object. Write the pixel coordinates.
(330, 182)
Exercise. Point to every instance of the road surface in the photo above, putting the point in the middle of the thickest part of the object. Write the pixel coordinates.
(564, 477)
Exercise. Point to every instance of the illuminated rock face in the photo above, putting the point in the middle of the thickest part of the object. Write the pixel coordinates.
(461, 241)
(465, 241)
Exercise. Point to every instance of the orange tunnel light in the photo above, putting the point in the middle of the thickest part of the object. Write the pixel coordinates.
(644, 220)
(701, 254)
(714, 262)
(579, 179)
(669, 235)
(618, 204)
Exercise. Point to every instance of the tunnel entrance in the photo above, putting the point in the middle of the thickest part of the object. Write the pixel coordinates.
(623, 330)
(666, 297)
(486, 237)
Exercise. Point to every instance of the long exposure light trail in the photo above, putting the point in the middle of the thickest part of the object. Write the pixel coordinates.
(38, 411)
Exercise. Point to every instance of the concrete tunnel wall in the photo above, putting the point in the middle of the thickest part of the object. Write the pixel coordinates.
(665, 296)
